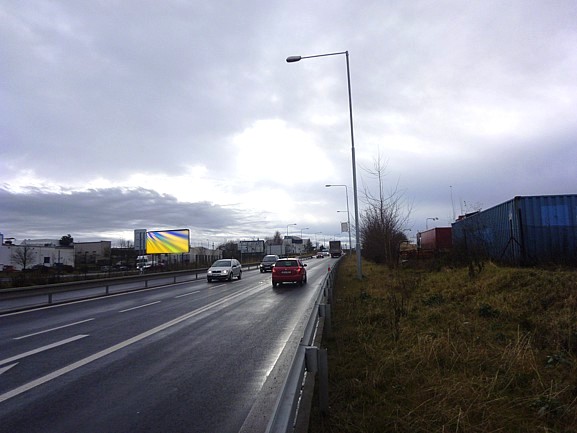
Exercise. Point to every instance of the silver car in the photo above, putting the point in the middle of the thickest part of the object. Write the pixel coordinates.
(224, 269)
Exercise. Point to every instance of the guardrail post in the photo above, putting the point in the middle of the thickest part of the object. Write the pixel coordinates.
(323, 361)
(316, 363)
(311, 359)
(325, 313)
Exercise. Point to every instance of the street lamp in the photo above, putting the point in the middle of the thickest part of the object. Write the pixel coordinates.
(427, 222)
(293, 59)
(287, 227)
(317, 242)
(348, 214)
(302, 243)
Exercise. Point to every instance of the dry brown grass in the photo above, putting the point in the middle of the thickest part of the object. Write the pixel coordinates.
(449, 351)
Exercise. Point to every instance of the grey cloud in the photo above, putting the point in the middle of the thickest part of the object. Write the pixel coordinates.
(87, 214)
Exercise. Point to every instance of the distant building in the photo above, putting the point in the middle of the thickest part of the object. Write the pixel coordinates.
(295, 245)
(33, 252)
(92, 253)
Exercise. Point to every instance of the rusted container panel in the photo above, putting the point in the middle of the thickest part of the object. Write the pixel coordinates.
(522, 231)
(437, 239)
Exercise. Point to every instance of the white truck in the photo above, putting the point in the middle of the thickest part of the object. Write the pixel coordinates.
(335, 249)
(143, 263)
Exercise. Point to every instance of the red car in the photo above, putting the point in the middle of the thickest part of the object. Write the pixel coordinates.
(289, 271)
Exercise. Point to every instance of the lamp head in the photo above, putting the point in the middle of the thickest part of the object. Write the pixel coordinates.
(293, 59)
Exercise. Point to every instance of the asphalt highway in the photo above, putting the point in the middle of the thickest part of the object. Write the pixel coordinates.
(191, 357)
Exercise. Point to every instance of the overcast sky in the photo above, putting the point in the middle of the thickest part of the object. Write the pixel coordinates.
(123, 115)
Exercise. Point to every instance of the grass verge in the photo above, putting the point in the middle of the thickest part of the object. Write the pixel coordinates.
(452, 350)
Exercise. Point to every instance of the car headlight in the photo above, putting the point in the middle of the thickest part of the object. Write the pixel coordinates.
(225, 271)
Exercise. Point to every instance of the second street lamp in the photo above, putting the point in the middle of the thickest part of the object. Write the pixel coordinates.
(293, 59)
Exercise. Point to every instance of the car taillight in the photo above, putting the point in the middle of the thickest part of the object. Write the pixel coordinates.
(299, 270)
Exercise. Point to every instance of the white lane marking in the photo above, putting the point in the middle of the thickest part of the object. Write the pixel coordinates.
(140, 306)
(8, 367)
(81, 301)
(53, 329)
(112, 349)
(187, 294)
(42, 349)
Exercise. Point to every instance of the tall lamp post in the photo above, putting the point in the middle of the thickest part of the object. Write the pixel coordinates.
(287, 227)
(293, 59)
(348, 213)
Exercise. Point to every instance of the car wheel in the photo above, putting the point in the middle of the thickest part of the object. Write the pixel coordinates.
(230, 277)
(209, 280)
(274, 284)
(240, 275)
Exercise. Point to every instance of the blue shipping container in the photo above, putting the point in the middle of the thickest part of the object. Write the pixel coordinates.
(522, 231)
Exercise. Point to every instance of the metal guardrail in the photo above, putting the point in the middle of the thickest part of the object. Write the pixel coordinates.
(14, 299)
(292, 409)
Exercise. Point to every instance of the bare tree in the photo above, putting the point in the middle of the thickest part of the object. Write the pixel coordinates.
(124, 243)
(277, 238)
(383, 220)
(22, 255)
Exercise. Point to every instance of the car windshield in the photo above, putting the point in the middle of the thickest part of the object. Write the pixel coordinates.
(286, 263)
(221, 264)
(269, 259)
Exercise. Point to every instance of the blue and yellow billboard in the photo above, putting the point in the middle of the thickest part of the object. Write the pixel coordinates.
(168, 241)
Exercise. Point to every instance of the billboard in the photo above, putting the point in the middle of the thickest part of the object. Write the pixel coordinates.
(249, 247)
(168, 241)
